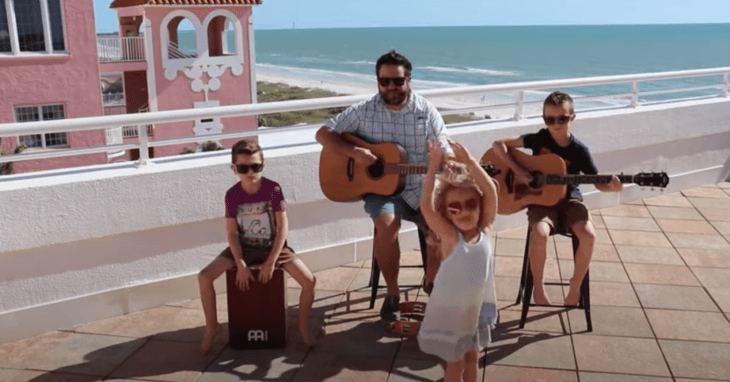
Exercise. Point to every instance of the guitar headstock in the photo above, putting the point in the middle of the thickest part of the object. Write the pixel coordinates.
(652, 179)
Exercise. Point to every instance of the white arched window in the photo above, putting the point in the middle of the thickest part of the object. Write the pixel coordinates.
(183, 38)
(221, 37)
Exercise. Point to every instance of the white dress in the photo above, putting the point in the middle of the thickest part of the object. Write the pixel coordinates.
(462, 307)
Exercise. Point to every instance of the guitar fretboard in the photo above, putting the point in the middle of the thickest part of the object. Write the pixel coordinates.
(585, 179)
(406, 169)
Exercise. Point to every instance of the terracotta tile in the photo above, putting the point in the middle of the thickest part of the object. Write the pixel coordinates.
(406, 369)
(522, 348)
(358, 338)
(605, 252)
(513, 233)
(619, 355)
(319, 366)
(612, 321)
(691, 326)
(659, 212)
(637, 202)
(697, 359)
(602, 236)
(507, 287)
(709, 258)
(705, 192)
(325, 302)
(151, 322)
(221, 303)
(602, 377)
(24, 353)
(357, 264)
(713, 277)
(167, 361)
(554, 293)
(523, 374)
(700, 203)
(253, 365)
(626, 210)
(689, 240)
(649, 255)
(686, 226)
(723, 185)
(613, 294)
(553, 320)
(674, 297)
(411, 258)
(661, 274)
(630, 223)
(639, 238)
(599, 271)
(597, 220)
(362, 279)
(721, 227)
(89, 354)
(508, 266)
(409, 350)
(716, 214)
(42, 376)
(721, 297)
(359, 302)
(668, 200)
(334, 279)
(509, 247)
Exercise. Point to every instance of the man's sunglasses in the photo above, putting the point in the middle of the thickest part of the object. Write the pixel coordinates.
(563, 119)
(397, 81)
(456, 207)
(243, 168)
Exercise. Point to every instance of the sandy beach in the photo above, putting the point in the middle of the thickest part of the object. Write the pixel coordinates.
(479, 107)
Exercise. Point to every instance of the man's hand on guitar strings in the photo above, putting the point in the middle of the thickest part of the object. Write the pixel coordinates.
(364, 156)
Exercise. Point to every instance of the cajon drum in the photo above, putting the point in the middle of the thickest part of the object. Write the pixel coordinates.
(257, 317)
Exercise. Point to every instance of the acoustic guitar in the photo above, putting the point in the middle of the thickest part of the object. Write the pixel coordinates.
(550, 180)
(344, 180)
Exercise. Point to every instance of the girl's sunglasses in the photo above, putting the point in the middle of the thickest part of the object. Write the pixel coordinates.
(469, 205)
(243, 168)
(397, 81)
(563, 119)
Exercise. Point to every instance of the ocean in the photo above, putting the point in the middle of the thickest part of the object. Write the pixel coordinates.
(480, 55)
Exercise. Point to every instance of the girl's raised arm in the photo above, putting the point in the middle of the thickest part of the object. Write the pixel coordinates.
(445, 231)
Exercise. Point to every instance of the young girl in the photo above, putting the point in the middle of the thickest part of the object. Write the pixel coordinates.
(461, 310)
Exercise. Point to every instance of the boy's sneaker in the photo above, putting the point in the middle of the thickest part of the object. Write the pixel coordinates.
(390, 311)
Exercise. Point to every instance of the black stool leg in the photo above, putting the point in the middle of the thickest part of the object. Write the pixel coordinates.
(525, 263)
(374, 281)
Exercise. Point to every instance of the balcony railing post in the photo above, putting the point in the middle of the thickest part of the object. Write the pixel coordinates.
(725, 85)
(520, 103)
(144, 155)
(634, 93)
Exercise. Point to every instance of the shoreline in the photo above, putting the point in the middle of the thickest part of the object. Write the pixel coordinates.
(480, 103)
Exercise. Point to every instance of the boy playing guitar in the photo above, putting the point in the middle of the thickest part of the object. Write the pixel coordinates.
(558, 113)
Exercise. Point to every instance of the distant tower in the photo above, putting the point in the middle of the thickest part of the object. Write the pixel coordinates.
(212, 65)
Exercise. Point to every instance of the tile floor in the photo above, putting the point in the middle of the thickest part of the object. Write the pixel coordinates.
(660, 295)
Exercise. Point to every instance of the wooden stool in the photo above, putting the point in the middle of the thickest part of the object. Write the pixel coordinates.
(527, 284)
(257, 317)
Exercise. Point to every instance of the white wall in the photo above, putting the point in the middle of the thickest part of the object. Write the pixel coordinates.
(101, 235)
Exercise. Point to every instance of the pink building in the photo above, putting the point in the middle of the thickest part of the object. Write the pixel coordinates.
(58, 68)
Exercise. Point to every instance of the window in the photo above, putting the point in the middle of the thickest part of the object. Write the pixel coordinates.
(41, 113)
(31, 26)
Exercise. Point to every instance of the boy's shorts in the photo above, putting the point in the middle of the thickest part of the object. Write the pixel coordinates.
(253, 256)
(376, 205)
(560, 217)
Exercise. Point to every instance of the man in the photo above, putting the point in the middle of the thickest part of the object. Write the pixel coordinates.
(395, 114)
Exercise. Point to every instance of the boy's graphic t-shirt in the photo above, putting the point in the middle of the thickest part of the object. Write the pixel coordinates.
(576, 155)
(254, 213)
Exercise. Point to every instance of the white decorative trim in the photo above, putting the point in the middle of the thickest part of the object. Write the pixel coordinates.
(150, 54)
(252, 60)
(194, 67)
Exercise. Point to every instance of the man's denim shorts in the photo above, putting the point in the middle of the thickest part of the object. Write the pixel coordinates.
(376, 205)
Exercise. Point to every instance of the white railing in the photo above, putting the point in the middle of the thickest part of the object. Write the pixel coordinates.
(720, 88)
(120, 49)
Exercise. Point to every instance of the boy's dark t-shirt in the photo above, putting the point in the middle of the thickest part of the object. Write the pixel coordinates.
(576, 155)
(254, 213)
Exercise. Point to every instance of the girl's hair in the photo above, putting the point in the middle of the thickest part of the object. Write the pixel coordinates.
(446, 181)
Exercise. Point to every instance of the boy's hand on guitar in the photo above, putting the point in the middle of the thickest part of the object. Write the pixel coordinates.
(364, 156)
(523, 177)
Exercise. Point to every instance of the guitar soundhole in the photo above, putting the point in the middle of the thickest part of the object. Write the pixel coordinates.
(376, 169)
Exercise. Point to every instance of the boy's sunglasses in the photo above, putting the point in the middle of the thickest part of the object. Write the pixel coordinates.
(470, 205)
(243, 168)
(563, 119)
(397, 81)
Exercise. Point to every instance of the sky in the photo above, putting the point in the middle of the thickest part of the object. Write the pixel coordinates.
(285, 14)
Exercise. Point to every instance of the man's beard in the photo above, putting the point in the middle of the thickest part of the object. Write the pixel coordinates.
(395, 97)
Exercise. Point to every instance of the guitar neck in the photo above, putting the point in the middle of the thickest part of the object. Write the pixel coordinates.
(406, 169)
(585, 179)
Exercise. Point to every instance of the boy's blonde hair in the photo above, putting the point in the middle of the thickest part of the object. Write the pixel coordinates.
(245, 147)
(560, 98)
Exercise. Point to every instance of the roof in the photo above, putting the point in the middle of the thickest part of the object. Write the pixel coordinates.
(132, 3)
